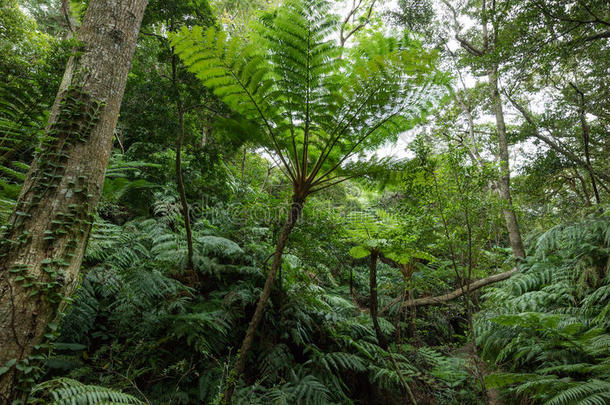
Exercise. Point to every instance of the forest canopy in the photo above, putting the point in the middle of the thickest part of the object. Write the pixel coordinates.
(304, 202)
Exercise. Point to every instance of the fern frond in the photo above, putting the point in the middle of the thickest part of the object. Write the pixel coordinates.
(65, 391)
(581, 393)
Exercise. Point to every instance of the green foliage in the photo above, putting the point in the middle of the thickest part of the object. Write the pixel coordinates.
(291, 81)
(549, 324)
(64, 391)
(385, 233)
(20, 124)
(30, 73)
(130, 286)
(271, 102)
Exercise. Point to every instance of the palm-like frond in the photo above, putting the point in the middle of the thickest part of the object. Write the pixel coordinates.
(316, 110)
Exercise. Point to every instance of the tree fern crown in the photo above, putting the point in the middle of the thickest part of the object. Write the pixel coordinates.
(291, 79)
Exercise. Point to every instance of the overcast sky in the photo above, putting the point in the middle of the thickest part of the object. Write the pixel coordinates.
(399, 149)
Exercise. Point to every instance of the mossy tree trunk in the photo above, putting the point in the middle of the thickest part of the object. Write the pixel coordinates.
(42, 248)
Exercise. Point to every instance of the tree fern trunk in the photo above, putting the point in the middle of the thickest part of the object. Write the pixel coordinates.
(293, 215)
(42, 249)
(373, 305)
(412, 315)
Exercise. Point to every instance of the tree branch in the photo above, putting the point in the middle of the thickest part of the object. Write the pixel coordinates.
(65, 9)
(562, 150)
(443, 299)
(594, 37)
(356, 145)
(343, 38)
(463, 42)
(332, 141)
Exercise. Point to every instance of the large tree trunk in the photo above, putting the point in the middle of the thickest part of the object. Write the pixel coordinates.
(293, 215)
(373, 305)
(512, 225)
(42, 249)
(489, 41)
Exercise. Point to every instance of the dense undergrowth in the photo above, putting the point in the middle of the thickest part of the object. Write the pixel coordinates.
(147, 327)
(135, 324)
(547, 329)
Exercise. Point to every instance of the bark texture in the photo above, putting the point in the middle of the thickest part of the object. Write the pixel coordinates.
(294, 213)
(41, 251)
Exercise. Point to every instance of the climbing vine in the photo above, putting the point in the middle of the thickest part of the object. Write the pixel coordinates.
(77, 115)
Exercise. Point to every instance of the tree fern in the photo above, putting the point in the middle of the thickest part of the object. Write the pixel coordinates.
(336, 362)
(216, 245)
(298, 389)
(21, 120)
(305, 390)
(202, 328)
(275, 362)
(315, 109)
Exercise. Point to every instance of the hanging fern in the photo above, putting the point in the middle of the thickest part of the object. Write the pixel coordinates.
(300, 390)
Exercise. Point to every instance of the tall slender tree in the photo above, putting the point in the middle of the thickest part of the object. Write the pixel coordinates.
(483, 51)
(42, 248)
(169, 15)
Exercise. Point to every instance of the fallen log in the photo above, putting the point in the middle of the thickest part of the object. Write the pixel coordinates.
(442, 299)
